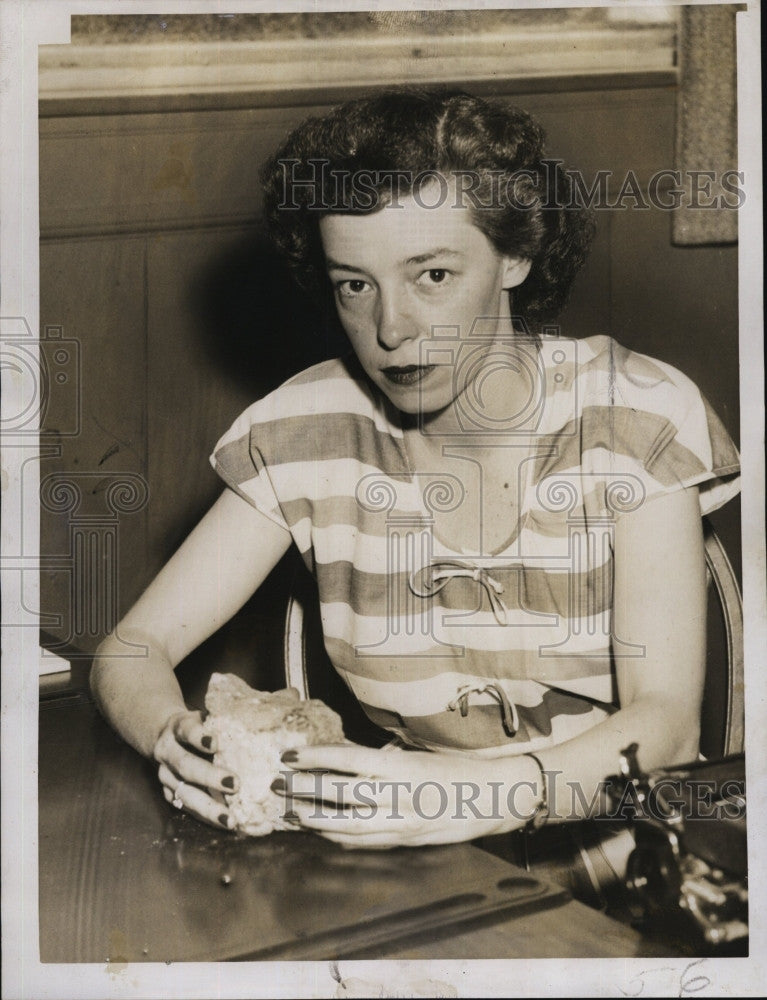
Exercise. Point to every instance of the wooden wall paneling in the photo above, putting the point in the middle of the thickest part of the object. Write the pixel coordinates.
(93, 487)
(128, 173)
(154, 171)
(607, 130)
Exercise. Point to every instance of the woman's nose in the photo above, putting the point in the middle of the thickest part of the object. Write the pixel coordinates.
(395, 324)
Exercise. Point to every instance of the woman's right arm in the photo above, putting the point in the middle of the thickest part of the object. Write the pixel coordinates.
(222, 562)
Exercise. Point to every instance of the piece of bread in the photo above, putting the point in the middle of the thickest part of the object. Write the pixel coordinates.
(252, 728)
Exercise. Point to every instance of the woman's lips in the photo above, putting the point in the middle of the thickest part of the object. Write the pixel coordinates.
(407, 374)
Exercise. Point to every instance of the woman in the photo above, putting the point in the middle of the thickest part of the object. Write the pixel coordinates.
(505, 526)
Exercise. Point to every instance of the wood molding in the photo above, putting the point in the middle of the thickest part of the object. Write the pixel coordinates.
(148, 72)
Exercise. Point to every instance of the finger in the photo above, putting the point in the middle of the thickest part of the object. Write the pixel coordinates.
(199, 804)
(184, 728)
(351, 834)
(360, 820)
(198, 770)
(343, 758)
(384, 841)
(331, 787)
(375, 842)
(369, 831)
(194, 800)
(168, 779)
(189, 729)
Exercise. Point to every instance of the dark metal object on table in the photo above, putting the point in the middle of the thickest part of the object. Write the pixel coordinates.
(689, 867)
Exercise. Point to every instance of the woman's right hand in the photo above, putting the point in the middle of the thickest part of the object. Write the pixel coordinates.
(191, 781)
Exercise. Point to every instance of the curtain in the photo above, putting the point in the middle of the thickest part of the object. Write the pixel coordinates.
(706, 136)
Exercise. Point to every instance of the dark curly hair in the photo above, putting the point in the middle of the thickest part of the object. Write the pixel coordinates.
(364, 153)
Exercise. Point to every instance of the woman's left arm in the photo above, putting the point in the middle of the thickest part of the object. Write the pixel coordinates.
(659, 606)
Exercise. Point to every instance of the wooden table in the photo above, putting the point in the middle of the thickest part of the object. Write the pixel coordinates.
(125, 877)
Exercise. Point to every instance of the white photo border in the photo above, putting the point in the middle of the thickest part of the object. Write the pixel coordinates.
(24, 25)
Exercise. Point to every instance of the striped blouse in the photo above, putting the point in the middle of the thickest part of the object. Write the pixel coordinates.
(483, 652)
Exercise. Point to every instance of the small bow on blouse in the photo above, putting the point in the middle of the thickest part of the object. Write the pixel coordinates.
(439, 574)
(510, 715)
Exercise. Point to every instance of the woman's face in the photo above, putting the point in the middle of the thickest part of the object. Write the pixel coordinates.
(407, 274)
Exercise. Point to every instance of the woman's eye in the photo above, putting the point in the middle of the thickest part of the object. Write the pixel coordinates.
(352, 287)
(434, 276)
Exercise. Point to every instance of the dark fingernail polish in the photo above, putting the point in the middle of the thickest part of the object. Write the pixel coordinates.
(224, 820)
(292, 818)
(207, 742)
(289, 757)
(228, 782)
(279, 785)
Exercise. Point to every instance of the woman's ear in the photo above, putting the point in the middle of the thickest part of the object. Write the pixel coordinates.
(515, 270)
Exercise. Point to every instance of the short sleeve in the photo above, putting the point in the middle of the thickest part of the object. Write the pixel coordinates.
(694, 450)
(240, 462)
(647, 430)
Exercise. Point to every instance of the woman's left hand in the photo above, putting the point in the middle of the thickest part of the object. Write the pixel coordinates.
(361, 797)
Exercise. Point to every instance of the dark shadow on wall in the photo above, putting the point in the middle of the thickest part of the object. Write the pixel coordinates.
(255, 328)
(258, 326)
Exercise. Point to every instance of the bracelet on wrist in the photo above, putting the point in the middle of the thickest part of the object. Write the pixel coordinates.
(541, 813)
